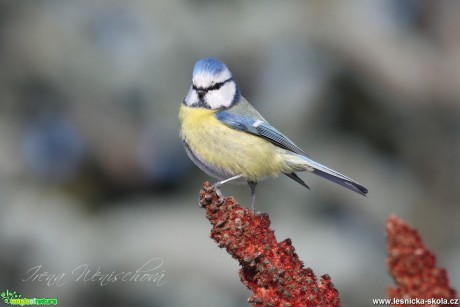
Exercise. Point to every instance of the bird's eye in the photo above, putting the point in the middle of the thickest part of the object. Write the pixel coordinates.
(218, 85)
(215, 86)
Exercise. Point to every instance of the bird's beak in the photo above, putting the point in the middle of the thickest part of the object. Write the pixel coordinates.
(201, 93)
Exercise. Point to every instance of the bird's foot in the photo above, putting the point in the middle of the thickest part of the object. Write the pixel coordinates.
(216, 187)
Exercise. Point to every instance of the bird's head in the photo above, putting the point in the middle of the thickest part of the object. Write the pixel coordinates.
(212, 86)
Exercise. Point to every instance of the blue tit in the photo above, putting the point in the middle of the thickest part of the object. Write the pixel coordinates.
(228, 139)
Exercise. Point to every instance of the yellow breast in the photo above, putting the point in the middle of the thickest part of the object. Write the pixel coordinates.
(236, 152)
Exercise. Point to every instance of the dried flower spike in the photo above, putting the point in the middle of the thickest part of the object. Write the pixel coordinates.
(270, 269)
(413, 266)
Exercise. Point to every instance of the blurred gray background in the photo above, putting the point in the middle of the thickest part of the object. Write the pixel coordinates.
(92, 170)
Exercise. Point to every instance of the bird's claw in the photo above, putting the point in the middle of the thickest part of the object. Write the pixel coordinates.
(216, 188)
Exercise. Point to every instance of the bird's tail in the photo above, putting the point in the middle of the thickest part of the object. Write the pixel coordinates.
(331, 175)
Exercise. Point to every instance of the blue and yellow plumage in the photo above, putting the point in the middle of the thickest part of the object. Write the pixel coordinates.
(229, 140)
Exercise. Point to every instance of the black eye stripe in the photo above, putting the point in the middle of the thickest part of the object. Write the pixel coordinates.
(214, 87)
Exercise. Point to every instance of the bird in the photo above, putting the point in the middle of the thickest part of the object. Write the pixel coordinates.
(227, 138)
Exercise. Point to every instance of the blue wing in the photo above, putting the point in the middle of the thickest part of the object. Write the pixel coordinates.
(260, 128)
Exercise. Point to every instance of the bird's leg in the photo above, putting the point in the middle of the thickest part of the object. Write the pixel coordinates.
(217, 186)
(252, 187)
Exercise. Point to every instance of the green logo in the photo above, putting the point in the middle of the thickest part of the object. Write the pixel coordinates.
(14, 298)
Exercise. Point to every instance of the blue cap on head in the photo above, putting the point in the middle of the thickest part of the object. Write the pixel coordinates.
(210, 66)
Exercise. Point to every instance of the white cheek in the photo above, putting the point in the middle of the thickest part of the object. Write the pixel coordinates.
(222, 97)
(191, 97)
